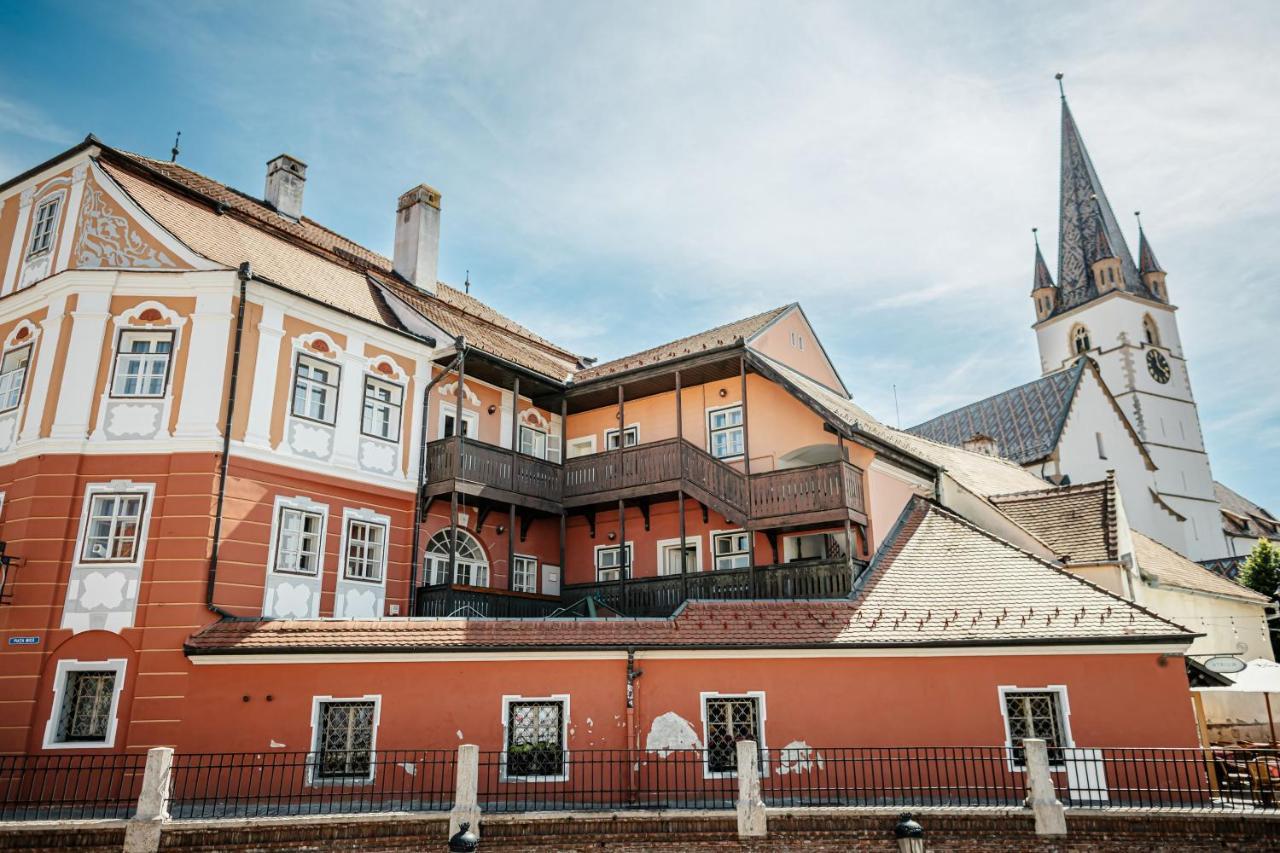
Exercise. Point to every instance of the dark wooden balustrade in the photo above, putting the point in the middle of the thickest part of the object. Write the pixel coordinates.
(633, 468)
(807, 491)
(489, 466)
(477, 601)
(660, 596)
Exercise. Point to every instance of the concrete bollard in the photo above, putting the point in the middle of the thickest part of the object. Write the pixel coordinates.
(1042, 798)
(752, 822)
(142, 833)
(466, 798)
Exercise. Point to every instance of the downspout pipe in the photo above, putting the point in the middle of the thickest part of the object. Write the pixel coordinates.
(422, 473)
(244, 274)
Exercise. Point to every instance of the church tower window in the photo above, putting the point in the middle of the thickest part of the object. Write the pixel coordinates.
(1080, 340)
(1150, 332)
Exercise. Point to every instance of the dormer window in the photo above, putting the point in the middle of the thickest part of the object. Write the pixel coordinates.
(46, 223)
(1080, 343)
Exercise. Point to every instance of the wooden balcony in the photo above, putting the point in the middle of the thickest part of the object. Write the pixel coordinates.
(479, 601)
(660, 596)
(817, 494)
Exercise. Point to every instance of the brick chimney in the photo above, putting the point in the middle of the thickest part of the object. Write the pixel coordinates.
(286, 178)
(417, 255)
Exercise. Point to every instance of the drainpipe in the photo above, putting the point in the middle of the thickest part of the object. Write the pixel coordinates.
(422, 475)
(633, 741)
(243, 274)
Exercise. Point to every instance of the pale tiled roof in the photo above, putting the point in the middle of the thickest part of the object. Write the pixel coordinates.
(1170, 568)
(1077, 521)
(692, 344)
(315, 262)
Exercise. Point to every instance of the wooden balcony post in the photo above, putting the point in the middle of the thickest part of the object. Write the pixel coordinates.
(746, 469)
(622, 507)
(684, 578)
(564, 450)
(457, 472)
(511, 546)
(515, 427)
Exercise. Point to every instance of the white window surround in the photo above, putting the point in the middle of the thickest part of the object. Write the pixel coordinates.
(13, 382)
(610, 433)
(397, 408)
(161, 348)
(714, 534)
(469, 417)
(631, 557)
(116, 665)
(1064, 707)
(694, 541)
(123, 487)
(313, 757)
(711, 411)
(365, 516)
(583, 445)
(534, 579)
(758, 695)
(57, 198)
(507, 702)
(305, 504)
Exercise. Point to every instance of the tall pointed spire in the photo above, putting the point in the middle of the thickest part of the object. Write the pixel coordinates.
(1088, 231)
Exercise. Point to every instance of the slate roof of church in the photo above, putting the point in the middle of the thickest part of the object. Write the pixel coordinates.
(937, 581)
(1026, 422)
(1243, 517)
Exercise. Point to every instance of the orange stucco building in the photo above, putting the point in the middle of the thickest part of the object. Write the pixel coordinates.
(266, 489)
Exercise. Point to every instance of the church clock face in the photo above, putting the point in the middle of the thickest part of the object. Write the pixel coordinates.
(1158, 366)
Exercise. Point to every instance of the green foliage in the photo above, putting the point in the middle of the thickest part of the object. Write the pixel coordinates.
(1261, 572)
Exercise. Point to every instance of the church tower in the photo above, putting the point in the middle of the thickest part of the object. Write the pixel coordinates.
(1117, 312)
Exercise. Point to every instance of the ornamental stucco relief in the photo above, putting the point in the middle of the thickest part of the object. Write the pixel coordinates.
(108, 239)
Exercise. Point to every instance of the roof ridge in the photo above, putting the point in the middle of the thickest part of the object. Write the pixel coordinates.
(1075, 365)
(1051, 491)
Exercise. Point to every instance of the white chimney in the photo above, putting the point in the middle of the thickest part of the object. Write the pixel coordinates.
(286, 177)
(417, 255)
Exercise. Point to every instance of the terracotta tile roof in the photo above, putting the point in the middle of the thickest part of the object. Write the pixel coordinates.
(938, 581)
(1243, 517)
(311, 260)
(1168, 567)
(710, 339)
(1026, 422)
(1077, 521)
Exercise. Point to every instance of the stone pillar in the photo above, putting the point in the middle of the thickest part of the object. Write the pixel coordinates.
(45, 352)
(1042, 799)
(751, 816)
(466, 801)
(80, 375)
(208, 356)
(142, 834)
(346, 432)
(263, 400)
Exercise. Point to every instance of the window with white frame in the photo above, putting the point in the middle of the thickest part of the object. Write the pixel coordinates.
(471, 566)
(315, 389)
(533, 442)
(45, 226)
(113, 528)
(344, 739)
(731, 550)
(1035, 714)
(299, 541)
(86, 696)
(142, 363)
(366, 555)
(727, 720)
(535, 746)
(524, 574)
(584, 446)
(383, 402)
(609, 561)
(470, 423)
(724, 432)
(13, 377)
(630, 437)
(669, 562)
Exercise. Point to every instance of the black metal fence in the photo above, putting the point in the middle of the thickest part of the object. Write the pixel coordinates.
(547, 778)
(64, 787)
(270, 784)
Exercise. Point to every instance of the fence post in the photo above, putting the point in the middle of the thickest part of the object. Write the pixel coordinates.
(751, 817)
(466, 797)
(1051, 818)
(142, 833)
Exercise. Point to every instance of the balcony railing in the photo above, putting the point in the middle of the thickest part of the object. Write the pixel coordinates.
(472, 601)
(832, 487)
(660, 596)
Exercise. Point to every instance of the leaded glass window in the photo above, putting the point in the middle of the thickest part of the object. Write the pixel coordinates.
(345, 741)
(535, 739)
(1035, 714)
(86, 706)
(729, 720)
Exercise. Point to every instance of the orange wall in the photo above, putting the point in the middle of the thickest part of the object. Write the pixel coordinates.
(811, 361)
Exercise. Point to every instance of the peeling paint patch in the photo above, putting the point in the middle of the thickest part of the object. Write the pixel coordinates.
(459, 733)
(670, 733)
(590, 722)
(409, 767)
(275, 744)
(798, 757)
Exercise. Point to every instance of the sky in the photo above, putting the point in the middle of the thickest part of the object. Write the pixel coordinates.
(615, 175)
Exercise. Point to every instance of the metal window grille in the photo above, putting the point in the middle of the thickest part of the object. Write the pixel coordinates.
(86, 708)
(346, 740)
(142, 364)
(114, 524)
(365, 542)
(730, 720)
(42, 232)
(1034, 715)
(315, 387)
(382, 407)
(298, 549)
(535, 739)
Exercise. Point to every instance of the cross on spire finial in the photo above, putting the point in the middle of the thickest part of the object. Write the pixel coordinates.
(1137, 214)
(1035, 235)
(1061, 92)
(174, 152)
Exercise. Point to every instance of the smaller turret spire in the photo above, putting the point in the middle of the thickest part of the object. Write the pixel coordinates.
(1103, 249)
(1043, 292)
(1042, 277)
(1146, 256)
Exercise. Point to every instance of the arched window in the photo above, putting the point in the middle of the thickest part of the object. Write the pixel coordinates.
(471, 565)
(1150, 332)
(1080, 340)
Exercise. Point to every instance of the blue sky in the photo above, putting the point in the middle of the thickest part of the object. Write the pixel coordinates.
(615, 175)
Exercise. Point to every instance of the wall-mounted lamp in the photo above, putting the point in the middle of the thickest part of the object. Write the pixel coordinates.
(612, 536)
(724, 392)
(492, 408)
(502, 528)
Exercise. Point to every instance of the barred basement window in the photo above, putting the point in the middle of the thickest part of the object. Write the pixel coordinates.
(344, 744)
(1035, 714)
(86, 708)
(535, 739)
(729, 720)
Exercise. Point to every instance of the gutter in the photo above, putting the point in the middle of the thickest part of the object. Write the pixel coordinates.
(244, 273)
(1156, 583)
